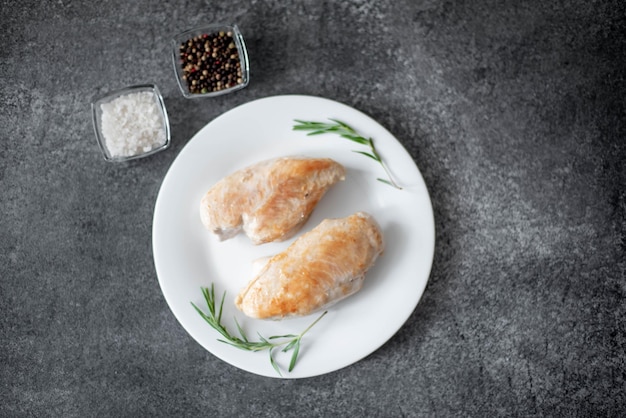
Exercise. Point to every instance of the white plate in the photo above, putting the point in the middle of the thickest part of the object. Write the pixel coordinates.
(187, 257)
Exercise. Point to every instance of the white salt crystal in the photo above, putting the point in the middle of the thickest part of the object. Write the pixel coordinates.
(132, 124)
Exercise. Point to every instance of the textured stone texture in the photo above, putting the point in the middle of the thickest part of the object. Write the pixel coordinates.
(514, 113)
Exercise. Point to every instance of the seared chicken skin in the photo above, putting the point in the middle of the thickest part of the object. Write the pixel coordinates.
(270, 200)
(317, 270)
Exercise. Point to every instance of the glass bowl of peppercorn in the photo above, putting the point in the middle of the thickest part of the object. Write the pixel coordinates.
(210, 61)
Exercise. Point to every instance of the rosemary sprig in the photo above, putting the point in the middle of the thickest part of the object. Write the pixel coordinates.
(288, 342)
(345, 131)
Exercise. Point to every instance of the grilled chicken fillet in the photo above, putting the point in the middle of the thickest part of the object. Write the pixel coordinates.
(270, 200)
(317, 270)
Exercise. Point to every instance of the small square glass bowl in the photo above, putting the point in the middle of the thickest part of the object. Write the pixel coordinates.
(131, 123)
(210, 61)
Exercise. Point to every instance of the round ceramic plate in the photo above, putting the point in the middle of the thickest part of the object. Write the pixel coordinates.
(188, 257)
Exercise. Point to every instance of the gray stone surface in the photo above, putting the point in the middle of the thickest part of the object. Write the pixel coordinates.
(514, 113)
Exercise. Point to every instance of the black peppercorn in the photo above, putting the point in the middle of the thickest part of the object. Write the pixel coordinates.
(210, 62)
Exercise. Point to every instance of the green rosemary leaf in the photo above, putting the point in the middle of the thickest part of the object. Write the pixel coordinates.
(209, 300)
(367, 154)
(294, 356)
(273, 337)
(305, 123)
(343, 124)
(317, 132)
(274, 364)
(200, 312)
(290, 345)
(356, 138)
(243, 335)
(219, 316)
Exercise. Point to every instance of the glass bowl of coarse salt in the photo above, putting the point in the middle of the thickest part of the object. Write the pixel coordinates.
(131, 123)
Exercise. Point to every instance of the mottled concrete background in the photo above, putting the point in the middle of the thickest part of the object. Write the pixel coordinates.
(514, 112)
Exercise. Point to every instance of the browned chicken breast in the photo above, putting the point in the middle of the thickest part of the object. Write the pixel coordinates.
(317, 270)
(270, 200)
